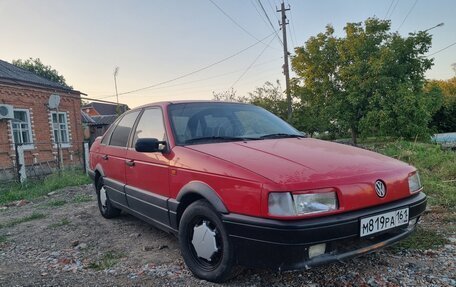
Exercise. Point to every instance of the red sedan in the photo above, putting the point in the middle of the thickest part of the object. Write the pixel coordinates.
(239, 186)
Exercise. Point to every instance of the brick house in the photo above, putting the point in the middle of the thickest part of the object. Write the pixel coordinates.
(34, 125)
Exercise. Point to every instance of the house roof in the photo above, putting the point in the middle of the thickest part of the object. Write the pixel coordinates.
(86, 119)
(107, 109)
(103, 120)
(11, 73)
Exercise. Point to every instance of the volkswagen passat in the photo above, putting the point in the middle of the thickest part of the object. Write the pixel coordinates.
(241, 187)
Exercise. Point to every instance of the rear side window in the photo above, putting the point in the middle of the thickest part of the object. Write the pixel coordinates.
(121, 132)
(150, 125)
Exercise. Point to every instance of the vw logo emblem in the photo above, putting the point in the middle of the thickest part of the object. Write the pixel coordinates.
(380, 188)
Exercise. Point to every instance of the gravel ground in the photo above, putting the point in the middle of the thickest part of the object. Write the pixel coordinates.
(69, 244)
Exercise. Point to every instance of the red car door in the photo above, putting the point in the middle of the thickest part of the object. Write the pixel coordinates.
(113, 158)
(147, 186)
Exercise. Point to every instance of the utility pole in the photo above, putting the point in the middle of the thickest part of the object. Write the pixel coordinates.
(116, 71)
(286, 69)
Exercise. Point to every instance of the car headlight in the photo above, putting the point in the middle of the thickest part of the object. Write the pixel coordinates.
(295, 204)
(414, 182)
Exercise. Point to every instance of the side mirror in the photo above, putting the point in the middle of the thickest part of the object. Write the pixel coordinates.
(149, 145)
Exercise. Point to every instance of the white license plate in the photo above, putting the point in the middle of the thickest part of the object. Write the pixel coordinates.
(385, 221)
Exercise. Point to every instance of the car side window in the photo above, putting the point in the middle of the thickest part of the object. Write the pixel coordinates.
(121, 132)
(150, 125)
(107, 135)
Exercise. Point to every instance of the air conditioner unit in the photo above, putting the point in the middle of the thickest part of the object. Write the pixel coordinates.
(6, 112)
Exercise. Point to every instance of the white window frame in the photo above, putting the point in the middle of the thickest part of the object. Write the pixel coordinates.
(29, 129)
(55, 129)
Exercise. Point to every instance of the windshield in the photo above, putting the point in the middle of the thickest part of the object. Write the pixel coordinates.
(196, 123)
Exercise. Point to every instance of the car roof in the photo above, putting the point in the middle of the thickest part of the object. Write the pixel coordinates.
(167, 103)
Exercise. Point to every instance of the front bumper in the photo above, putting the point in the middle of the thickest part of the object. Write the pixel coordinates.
(284, 245)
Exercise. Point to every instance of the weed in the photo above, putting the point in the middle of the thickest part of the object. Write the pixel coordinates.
(56, 203)
(36, 188)
(80, 198)
(14, 222)
(3, 239)
(108, 260)
(422, 239)
(61, 223)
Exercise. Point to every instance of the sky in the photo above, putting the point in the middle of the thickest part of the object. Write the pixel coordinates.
(187, 50)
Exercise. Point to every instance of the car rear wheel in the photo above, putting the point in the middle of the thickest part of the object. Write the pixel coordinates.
(107, 210)
(204, 243)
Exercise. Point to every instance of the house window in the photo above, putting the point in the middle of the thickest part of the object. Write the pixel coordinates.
(61, 122)
(22, 128)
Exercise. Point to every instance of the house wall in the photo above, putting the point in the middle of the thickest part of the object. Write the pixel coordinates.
(35, 100)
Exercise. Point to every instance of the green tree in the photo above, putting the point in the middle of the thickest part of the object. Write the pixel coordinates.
(444, 120)
(270, 96)
(370, 81)
(42, 70)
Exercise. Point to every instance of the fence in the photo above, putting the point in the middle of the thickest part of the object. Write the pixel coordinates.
(21, 161)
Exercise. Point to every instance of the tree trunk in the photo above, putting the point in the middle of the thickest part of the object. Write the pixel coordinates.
(354, 134)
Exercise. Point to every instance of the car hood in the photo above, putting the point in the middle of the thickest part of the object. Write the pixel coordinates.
(292, 161)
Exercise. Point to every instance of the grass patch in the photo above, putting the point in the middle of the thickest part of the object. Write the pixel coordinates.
(437, 168)
(80, 198)
(14, 222)
(3, 239)
(36, 188)
(56, 203)
(61, 223)
(422, 239)
(108, 260)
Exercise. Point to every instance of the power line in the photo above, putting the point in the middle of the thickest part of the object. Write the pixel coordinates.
(410, 11)
(258, 11)
(392, 11)
(269, 20)
(292, 34)
(193, 72)
(250, 66)
(441, 50)
(389, 8)
(237, 24)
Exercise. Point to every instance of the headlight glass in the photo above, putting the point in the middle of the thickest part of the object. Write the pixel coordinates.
(315, 202)
(414, 182)
(292, 204)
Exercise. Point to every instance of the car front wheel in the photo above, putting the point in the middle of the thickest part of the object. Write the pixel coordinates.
(107, 210)
(204, 243)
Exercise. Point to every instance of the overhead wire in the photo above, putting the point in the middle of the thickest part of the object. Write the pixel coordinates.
(250, 66)
(259, 14)
(389, 8)
(270, 23)
(406, 16)
(292, 29)
(191, 73)
(443, 49)
(392, 11)
(237, 24)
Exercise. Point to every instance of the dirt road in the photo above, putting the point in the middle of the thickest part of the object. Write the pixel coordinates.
(61, 240)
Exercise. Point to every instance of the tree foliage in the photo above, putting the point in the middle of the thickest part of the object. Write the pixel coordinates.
(42, 70)
(444, 120)
(369, 82)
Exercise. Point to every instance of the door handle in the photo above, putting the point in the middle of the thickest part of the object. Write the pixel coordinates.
(130, 162)
(105, 157)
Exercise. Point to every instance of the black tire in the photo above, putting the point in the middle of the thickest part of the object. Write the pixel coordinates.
(108, 210)
(221, 267)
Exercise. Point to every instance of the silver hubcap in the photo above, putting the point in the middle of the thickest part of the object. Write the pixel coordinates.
(204, 241)
(103, 197)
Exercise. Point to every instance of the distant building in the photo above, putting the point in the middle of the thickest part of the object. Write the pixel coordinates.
(102, 116)
(31, 123)
(104, 109)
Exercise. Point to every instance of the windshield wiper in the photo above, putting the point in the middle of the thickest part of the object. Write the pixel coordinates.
(217, 138)
(280, 135)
